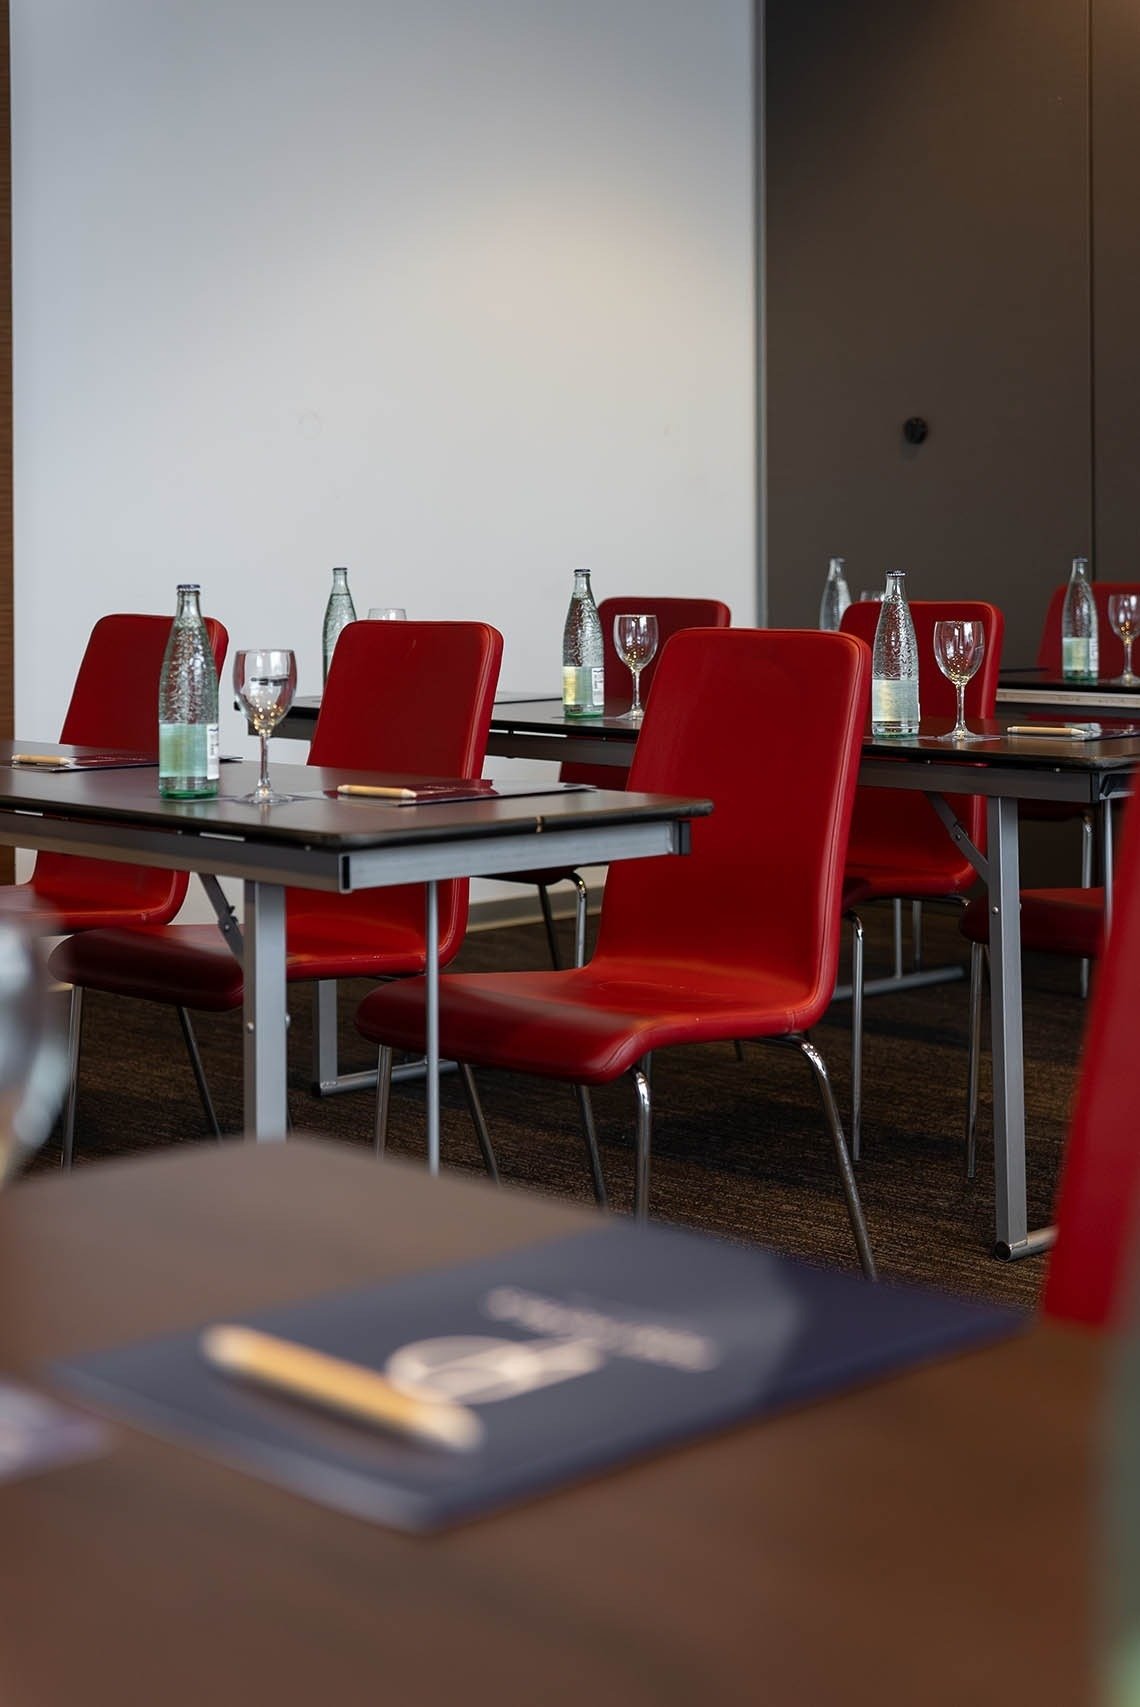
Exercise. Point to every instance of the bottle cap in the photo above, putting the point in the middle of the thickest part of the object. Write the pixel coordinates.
(189, 586)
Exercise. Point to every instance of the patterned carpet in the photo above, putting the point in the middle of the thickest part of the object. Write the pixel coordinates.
(740, 1147)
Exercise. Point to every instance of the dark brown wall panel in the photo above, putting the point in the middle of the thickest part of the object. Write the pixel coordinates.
(927, 254)
(1116, 285)
(7, 864)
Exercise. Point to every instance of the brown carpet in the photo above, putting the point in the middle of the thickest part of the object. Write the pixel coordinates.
(740, 1148)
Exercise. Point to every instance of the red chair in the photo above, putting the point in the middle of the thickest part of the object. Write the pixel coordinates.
(899, 848)
(740, 939)
(1111, 655)
(1110, 647)
(1053, 921)
(1092, 1265)
(672, 616)
(407, 697)
(114, 704)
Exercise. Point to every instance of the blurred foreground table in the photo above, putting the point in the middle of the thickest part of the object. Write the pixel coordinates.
(922, 1540)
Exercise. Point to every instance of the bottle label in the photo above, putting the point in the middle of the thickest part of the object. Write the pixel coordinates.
(1079, 657)
(583, 690)
(188, 752)
(894, 707)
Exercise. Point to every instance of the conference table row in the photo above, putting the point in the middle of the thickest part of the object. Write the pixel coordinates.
(1006, 769)
(322, 841)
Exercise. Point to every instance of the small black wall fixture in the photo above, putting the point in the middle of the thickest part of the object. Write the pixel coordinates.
(915, 430)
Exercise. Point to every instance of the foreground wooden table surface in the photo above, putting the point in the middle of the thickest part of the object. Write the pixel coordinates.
(924, 1540)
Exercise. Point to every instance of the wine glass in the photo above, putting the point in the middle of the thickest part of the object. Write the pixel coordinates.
(958, 649)
(1124, 620)
(636, 640)
(387, 613)
(265, 680)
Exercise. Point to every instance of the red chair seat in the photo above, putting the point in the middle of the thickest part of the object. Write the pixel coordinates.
(590, 1025)
(1053, 921)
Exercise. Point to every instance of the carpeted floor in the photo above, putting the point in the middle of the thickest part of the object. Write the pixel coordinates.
(740, 1147)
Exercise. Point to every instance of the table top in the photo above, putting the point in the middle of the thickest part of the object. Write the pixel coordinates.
(923, 1539)
(1039, 691)
(315, 815)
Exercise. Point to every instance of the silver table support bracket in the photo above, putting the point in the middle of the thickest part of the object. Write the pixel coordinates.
(227, 918)
(431, 967)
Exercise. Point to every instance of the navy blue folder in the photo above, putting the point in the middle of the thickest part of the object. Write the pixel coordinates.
(577, 1354)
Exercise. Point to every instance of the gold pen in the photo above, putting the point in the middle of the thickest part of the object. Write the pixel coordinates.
(336, 1385)
(371, 792)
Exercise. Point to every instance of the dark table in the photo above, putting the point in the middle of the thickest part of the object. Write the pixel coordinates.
(1039, 694)
(1006, 770)
(317, 841)
(920, 1540)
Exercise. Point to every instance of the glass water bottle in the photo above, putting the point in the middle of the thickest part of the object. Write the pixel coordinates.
(188, 706)
(583, 666)
(836, 595)
(339, 612)
(1080, 645)
(894, 664)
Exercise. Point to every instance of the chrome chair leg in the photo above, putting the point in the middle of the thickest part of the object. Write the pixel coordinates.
(74, 1031)
(1086, 883)
(846, 1172)
(580, 912)
(199, 1074)
(478, 1120)
(916, 935)
(896, 908)
(383, 1097)
(586, 1111)
(857, 947)
(642, 1088)
(977, 953)
(548, 921)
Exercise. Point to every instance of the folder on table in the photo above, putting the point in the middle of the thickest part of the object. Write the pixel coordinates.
(576, 1355)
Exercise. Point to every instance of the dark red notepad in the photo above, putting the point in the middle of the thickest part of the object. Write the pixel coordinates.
(82, 759)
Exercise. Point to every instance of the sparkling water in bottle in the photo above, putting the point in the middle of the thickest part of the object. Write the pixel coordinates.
(836, 595)
(188, 706)
(339, 612)
(894, 664)
(583, 667)
(1080, 646)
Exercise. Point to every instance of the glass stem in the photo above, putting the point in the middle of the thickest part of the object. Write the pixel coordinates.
(263, 779)
(1128, 655)
(960, 726)
(636, 706)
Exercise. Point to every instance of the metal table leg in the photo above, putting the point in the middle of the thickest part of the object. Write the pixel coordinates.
(432, 1026)
(1013, 1238)
(264, 1011)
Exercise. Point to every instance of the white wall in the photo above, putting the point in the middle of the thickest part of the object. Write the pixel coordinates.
(457, 292)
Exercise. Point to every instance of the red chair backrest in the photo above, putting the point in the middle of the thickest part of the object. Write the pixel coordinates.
(1111, 650)
(413, 698)
(672, 616)
(890, 826)
(768, 724)
(114, 703)
(1092, 1268)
